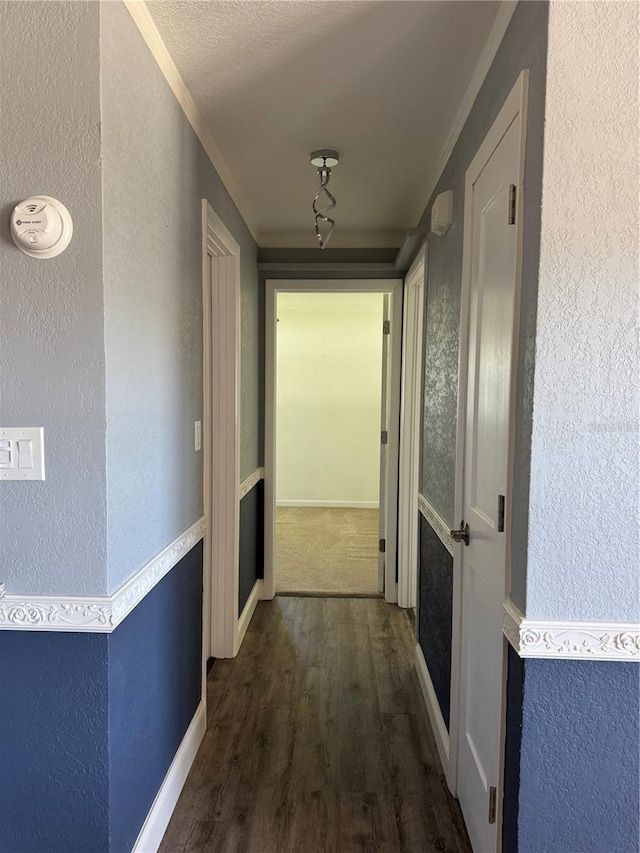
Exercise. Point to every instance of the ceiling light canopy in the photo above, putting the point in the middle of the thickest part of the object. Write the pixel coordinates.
(324, 159)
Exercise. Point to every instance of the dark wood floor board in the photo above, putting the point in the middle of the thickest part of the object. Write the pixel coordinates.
(317, 742)
(281, 680)
(324, 634)
(314, 790)
(416, 773)
(356, 610)
(368, 824)
(216, 684)
(417, 832)
(362, 758)
(357, 673)
(271, 820)
(392, 649)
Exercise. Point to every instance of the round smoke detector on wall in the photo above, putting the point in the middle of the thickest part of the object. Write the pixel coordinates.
(41, 226)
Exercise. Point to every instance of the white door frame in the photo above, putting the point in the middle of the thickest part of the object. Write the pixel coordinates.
(220, 433)
(272, 288)
(410, 423)
(514, 109)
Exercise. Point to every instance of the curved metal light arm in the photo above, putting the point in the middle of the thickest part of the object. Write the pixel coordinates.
(320, 212)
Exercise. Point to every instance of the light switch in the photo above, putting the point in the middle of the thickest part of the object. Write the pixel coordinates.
(6, 454)
(198, 435)
(21, 453)
(25, 453)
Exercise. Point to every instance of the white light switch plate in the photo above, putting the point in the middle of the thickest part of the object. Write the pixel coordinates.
(198, 435)
(21, 453)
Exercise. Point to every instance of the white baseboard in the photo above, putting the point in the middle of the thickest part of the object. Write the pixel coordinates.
(436, 719)
(160, 813)
(256, 595)
(336, 504)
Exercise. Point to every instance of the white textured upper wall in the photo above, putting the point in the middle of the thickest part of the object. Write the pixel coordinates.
(155, 175)
(52, 372)
(329, 378)
(584, 561)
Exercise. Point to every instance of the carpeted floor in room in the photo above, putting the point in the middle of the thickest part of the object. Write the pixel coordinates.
(327, 550)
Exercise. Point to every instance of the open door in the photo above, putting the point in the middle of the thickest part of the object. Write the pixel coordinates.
(384, 443)
(389, 445)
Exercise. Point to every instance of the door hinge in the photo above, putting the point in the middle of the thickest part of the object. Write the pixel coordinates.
(492, 804)
(382, 545)
(500, 524)
(512, 204)
(384, 437)
(386, 327)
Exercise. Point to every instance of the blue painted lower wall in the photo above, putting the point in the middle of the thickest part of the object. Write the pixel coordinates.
(251, 542)
(578, 780)
(513, 739)
(435, 612)
(155, 684)
(54, 754)
(90, 723)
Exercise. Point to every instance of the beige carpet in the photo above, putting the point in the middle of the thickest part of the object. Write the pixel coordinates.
(327, 549)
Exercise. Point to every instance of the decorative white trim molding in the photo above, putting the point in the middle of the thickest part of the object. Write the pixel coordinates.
(537, 638)
(99, 614)
(251, 481)
(151, 35)
(439, 525)
(438, 725)
(155, 825)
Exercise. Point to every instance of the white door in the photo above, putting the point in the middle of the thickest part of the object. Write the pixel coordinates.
(493, 251)
(384, 445)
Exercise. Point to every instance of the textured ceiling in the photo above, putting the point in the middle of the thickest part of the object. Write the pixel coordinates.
(379, 81)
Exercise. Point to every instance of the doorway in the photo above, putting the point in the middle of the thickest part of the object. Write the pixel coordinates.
(332, 432)
(328, 405)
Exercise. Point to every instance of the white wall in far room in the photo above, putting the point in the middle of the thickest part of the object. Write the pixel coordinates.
(329, 377)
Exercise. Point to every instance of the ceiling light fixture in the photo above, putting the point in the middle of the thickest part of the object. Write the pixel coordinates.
(324, 159)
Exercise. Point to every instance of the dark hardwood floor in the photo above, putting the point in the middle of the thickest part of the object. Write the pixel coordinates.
(317, 741)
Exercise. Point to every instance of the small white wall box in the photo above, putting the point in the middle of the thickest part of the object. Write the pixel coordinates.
(21, 453)
(442, 213)
(41, 226)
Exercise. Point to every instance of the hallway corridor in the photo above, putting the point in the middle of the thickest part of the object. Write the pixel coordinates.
(317, 742)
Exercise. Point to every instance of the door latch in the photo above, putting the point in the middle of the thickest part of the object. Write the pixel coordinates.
(461, 535)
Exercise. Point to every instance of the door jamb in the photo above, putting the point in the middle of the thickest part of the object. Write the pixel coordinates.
(220, 433)
(272, 288)
(513, 109)
(410, 421)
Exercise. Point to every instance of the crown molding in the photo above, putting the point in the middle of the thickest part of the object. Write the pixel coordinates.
(251, 481)
(151, 35)
(497, 33)
(596, 641)
(439, 525)
(96, 614)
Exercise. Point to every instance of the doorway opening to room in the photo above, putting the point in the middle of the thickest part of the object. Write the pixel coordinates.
(328, 403)
(331, 466)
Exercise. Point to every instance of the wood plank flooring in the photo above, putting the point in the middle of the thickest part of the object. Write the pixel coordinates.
(317, 742)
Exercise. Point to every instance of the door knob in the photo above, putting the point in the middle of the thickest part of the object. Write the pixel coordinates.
(461, 535)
